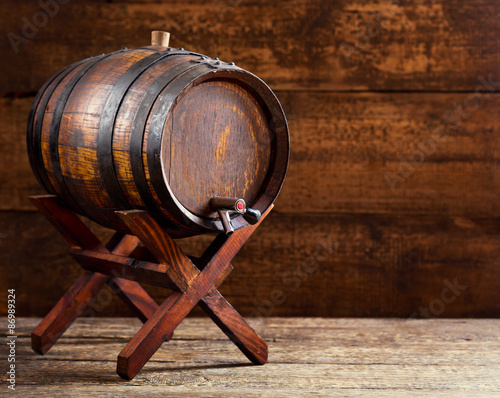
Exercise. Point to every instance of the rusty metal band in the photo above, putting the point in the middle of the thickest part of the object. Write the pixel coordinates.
(137, 137)
(56, 125)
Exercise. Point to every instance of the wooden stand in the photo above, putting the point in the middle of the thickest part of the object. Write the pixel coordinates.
(123, 263)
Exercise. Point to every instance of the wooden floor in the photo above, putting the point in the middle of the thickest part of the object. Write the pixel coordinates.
(308, 357)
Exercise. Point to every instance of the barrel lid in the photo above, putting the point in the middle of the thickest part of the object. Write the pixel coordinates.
(225, 135)
(217, 142)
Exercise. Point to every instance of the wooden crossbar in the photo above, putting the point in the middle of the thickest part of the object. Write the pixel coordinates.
(124, 263)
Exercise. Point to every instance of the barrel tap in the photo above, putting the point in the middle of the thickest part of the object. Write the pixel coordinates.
(226, 206)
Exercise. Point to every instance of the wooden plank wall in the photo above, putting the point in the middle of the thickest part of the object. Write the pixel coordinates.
(390, 207)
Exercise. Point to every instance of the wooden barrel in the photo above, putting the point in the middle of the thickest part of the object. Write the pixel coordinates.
(159, 129)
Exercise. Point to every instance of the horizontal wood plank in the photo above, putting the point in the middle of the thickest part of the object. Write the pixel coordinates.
(350, 153)
(292, 45)
(308, 357)
(295, 333)
(392, 153)
(318, 265)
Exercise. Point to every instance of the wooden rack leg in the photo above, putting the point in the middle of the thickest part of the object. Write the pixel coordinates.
(235, 327)
(151, 336)
(135, 297)
(195, 285)
(68, 308)
(77, 298)
(71, 305)
(226, 317)
(131, 293)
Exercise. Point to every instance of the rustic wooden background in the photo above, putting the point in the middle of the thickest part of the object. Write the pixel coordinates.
(393, 186)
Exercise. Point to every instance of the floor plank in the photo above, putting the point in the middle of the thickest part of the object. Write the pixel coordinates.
(308, 357)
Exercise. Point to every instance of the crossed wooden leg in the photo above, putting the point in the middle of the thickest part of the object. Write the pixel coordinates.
(195, 286)
(80, 294)
(120, 265)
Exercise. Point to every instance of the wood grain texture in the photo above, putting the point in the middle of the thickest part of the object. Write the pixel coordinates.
(395, 153)
(342, 146)
(231, 159)
(78, 297)
(367, 265)
(199, 285)
(238, 145)
(426, 60)
(309, 357)
(17, 180)
(296, 45)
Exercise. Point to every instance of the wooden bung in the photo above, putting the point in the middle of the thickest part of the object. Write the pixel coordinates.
(160, 38)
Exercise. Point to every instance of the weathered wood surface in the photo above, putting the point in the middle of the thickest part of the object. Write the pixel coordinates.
(383, 153)
(194, 285)
(88, 285)
(342, 146)
(308, 357)
(97, 138)
(321, 265)
(299, 44)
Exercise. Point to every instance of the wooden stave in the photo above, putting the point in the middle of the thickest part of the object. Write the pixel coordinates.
(88, 193)
(279, 168)
(35, 120)
(173, 225)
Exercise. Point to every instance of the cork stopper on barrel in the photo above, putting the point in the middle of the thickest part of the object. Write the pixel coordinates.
(160, 38)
